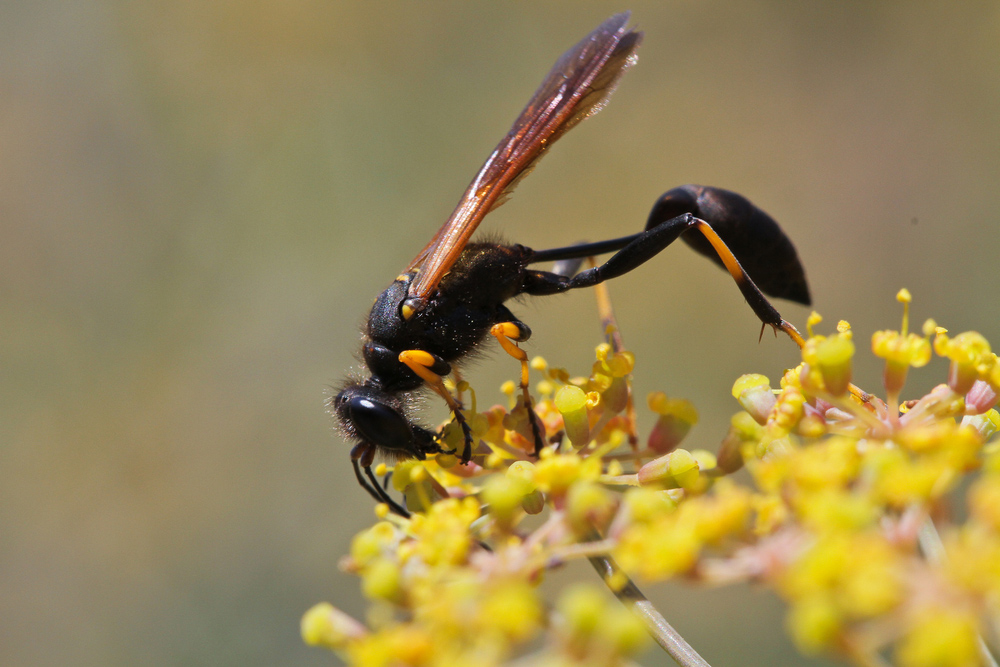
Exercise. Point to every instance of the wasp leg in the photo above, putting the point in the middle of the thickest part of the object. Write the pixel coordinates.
(431, 369)
(753, 236)
(508, 334)
(767, 313)
(366, 454)
(580, 251)
(641, 247)
(757, 241)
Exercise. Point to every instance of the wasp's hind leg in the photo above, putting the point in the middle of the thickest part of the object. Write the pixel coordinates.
(508, 334)
(768, 314)
(432, 369)
(753, 237)
(741, 227)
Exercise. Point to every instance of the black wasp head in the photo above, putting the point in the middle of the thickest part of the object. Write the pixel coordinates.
(374, 417)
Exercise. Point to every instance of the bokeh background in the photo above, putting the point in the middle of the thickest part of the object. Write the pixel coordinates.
(200, 198)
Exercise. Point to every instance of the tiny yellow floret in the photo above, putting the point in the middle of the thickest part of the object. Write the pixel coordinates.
(325, 625)
(814, 623)
(940, 638)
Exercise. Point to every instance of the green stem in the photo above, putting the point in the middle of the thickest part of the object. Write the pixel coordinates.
(662, 632)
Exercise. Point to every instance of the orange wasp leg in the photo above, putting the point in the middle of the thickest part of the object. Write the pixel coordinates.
(422, 363)
(507, 334)
(742, 279)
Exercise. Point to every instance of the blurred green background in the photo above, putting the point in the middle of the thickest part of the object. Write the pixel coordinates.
(200, 199)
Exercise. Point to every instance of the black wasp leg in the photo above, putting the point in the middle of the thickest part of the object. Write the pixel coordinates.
(632, 252)
(582, 250)
(466, 434)
(375, 490)
(508, 333)
(750, 234)
(431, 369)
(393, 505)
(640, 248)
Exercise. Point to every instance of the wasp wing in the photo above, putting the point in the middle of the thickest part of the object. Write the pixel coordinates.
(578, 86)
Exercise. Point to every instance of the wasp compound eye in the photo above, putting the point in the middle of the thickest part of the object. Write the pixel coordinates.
(376, 422)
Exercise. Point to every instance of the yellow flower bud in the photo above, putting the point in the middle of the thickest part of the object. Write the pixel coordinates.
(624, 631)
(381, 580)
(900, 352)
(582, 607)
(940, 638)
(970, 357)
(504, 495)
(814, 623)
(833, 357)
(677, 416)
(588, 505)
(730, 456)
(753, 392)
(571, 402)
(676, 469)
(325, 625)
(512, 608)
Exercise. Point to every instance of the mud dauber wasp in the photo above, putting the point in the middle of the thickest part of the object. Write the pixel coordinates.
(453, 293)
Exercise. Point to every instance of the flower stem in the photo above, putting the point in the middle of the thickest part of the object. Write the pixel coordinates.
(662, 632)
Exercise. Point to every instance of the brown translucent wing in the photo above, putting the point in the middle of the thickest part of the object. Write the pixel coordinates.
(578, 86)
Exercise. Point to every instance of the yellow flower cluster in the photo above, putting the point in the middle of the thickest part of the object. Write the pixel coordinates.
(846, 517)
(853, 483)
